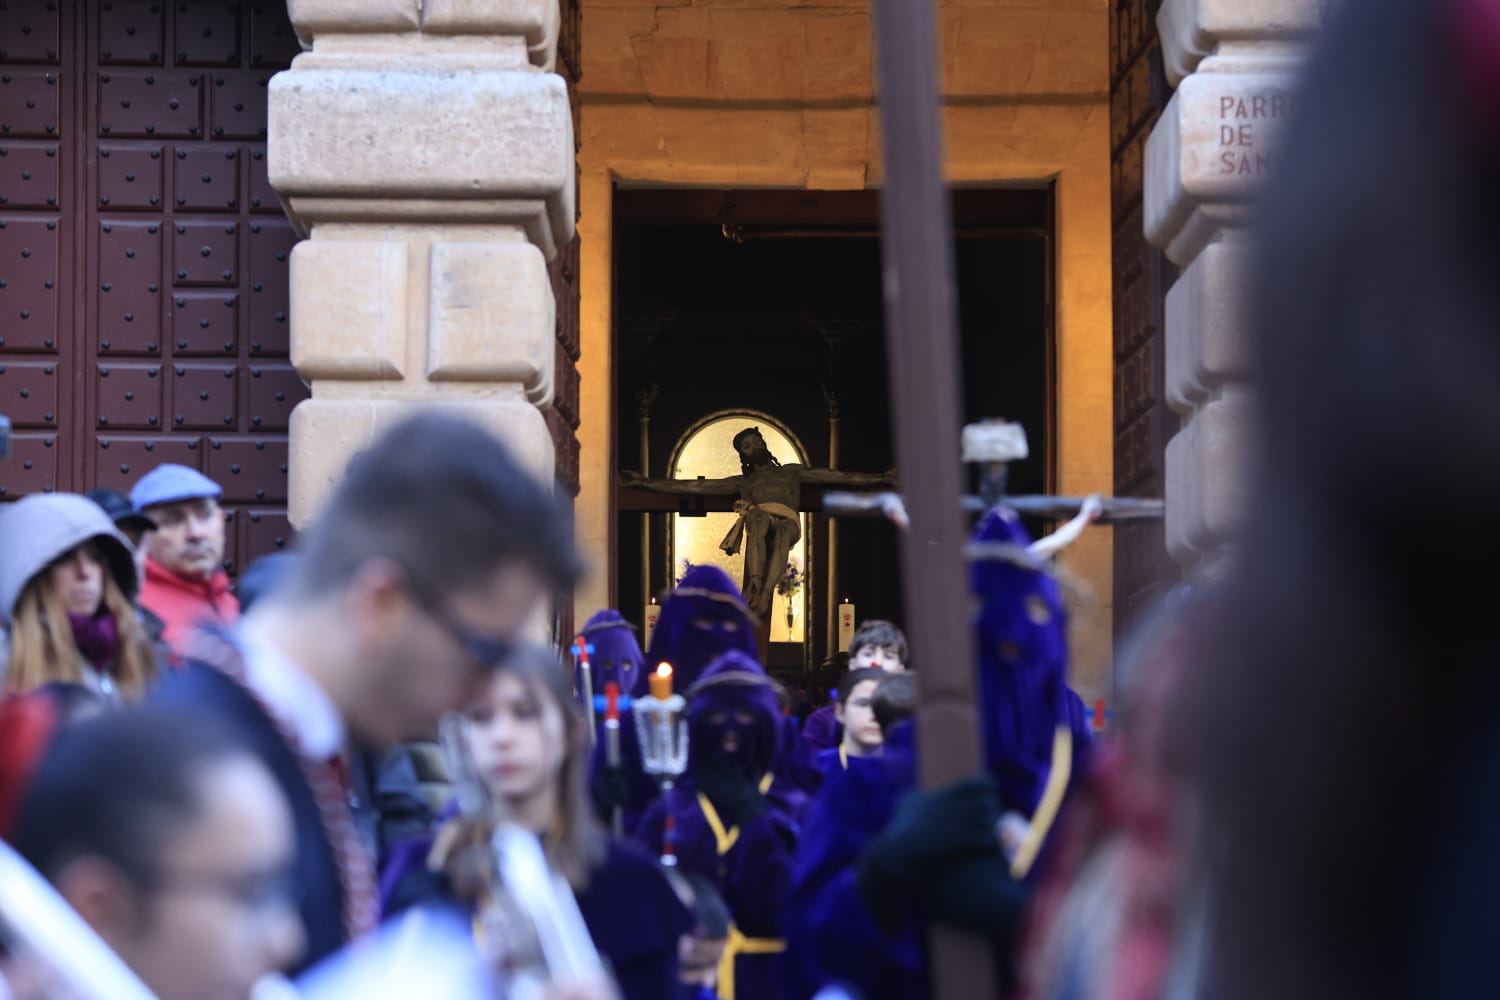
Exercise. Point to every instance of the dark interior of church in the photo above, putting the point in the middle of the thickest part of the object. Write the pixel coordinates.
(770, 301)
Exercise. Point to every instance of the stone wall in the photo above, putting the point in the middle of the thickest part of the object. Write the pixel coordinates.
(1234, 64)
(779, 93)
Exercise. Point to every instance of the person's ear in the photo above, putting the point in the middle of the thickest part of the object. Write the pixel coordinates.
(102, 895)
(376, 599)
(838, 711)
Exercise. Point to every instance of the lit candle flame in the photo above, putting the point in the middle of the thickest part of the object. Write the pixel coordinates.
(661, 682)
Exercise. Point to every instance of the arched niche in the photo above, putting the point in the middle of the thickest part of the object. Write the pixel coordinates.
(707, 450)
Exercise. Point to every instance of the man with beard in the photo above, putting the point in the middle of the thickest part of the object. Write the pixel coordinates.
(769, 496)
(184, 580)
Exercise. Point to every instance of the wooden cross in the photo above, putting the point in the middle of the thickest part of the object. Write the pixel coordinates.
(921, 335)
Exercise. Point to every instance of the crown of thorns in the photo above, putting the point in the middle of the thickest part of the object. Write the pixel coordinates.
(744, 434)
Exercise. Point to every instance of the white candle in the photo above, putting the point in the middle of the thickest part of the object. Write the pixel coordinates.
(653, 612)
(846, 625)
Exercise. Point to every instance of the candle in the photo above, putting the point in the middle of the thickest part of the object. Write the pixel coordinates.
(846, 625)
(661, 682)
(653, 612)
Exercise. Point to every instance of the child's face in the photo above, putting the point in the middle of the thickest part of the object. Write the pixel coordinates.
(515, 735)
(861, 731)
(879, 657)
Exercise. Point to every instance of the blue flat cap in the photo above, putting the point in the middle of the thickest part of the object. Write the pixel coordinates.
(169, 483)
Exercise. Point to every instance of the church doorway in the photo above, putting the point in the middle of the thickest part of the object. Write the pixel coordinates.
(736, 309)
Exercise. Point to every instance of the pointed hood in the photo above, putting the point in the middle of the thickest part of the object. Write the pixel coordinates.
(734, 714)
(1021, 640)
(617, 655)
(701, 620)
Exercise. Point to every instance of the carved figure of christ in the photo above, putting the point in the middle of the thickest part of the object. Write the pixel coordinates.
(769, 494)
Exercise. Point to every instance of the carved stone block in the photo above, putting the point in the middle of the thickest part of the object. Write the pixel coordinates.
(1206, 325)
(1205, 480)
(491, 316)
(538, 21)
(1208, 154)
(1192, 29)
(402, 146)
(349, 300)
(326, 433)
(317, 17)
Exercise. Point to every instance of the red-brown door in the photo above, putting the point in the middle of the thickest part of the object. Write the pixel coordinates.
(143, 256)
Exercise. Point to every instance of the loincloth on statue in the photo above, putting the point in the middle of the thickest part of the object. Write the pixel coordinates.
(736, 535)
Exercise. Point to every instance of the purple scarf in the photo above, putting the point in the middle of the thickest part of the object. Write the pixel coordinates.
(97, 638)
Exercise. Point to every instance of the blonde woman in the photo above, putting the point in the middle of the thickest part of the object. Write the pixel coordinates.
(67, 586)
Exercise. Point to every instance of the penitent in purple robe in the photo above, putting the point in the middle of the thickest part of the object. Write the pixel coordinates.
(735, 704)
(831, 937)
(702, 619)
(617, 659)
(749, 864)
(1020, 637)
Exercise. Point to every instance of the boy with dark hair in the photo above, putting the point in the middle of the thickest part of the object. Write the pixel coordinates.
(862, 734)
(877, 644)
(430, 558)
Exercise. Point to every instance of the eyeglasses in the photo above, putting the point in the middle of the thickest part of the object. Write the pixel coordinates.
(485, 651)
(258, 892)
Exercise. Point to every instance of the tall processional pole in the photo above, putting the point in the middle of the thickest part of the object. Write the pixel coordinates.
(921, 336)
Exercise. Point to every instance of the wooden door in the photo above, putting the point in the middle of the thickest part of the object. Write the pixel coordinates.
(143, 255)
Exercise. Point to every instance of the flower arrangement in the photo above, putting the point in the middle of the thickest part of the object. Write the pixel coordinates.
(789, 586)
(792, 580)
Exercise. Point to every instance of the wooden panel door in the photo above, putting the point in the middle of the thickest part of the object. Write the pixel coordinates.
(156, 281)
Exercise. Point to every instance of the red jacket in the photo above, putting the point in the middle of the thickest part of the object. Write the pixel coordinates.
(182, 603)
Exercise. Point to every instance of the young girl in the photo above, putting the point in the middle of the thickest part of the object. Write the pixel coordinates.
(530, 745)
(67, 583)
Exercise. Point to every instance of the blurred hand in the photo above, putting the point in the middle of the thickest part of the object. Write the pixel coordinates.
(931, 831)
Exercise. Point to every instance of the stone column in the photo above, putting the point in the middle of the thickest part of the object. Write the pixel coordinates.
(424, 148)
(1234, 64)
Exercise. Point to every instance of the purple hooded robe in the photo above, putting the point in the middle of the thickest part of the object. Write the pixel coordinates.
(735, 703)
(1020, 635)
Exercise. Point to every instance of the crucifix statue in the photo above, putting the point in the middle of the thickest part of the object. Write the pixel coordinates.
(770, 495)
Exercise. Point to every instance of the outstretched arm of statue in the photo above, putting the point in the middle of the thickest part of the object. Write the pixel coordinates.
(728, 486)
(838, 477)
